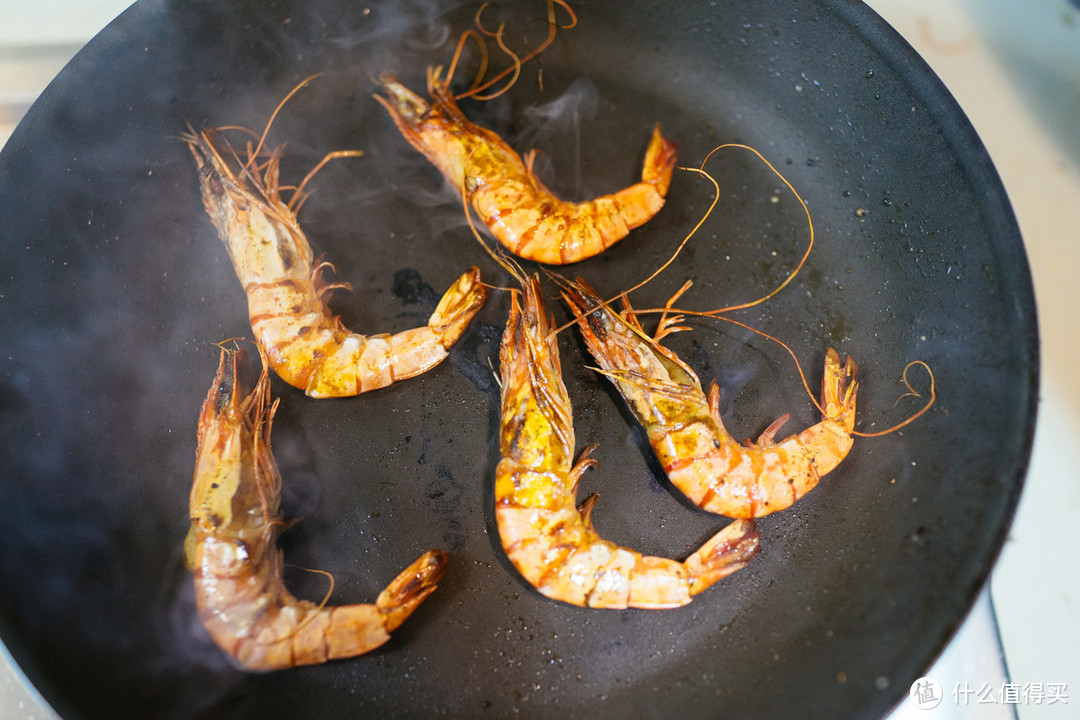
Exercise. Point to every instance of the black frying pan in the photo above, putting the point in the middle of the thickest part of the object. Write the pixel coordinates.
(115, 288)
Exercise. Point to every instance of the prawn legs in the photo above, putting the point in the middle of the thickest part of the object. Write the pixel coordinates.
(548, 538)
(522, 214)
(307, 346)
(684, 426)
(232, 546)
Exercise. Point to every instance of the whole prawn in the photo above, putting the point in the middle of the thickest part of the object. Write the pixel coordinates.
(307, 346)
(686, 431)
(549, 539)
(519, 210)
(232, 546)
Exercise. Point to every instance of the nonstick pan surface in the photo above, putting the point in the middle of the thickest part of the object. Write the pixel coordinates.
(114, 291)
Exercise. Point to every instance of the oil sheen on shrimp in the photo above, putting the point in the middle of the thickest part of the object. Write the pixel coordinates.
(523, 214)
(232, 546)
(549, 539)
(686, 432)
(307, 346)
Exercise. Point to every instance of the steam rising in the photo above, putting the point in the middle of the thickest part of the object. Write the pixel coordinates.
(119, 288)
(557, 124)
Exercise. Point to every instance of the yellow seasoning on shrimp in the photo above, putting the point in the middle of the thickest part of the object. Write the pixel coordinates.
(308, 347)
(522, 214)
(546, 535)
(232, 550)
(686, 431)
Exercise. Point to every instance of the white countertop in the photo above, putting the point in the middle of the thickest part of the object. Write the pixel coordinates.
(1014, 67)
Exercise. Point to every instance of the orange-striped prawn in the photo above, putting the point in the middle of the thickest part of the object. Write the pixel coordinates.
(684, 426)
(500, 186)
(308, 347)
(232, 546)
(549, 539)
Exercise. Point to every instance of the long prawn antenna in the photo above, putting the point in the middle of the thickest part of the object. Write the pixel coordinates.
(484, 59)
(718, 313)
(564, 284)
(253, 152)
(479, 85)
(298, 197)
(809, 224)
(700, 170)
(716, 197)
(264, 174)
(911, 392)
(273, 115)
(515, 66)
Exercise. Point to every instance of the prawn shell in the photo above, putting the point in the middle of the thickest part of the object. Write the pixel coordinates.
(545, 534)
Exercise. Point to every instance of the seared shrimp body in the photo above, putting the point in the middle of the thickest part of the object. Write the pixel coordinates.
(308, 347)
(520, 212)
(685, 429)
(232, 547)
(549, 539)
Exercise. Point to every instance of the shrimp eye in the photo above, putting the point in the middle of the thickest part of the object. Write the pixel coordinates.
(213, 179)
(471, 183)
